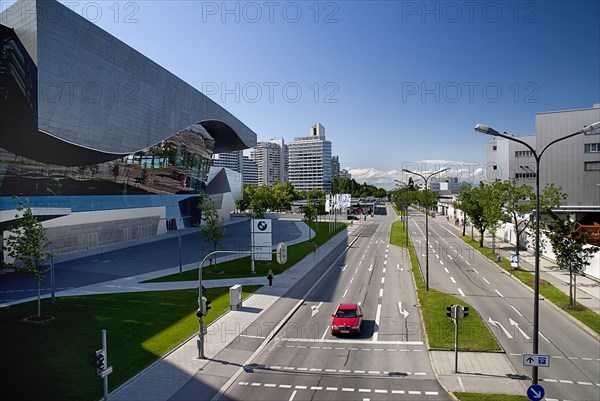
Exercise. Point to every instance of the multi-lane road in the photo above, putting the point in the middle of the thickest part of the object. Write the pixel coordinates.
(507, 308)
(388, 361)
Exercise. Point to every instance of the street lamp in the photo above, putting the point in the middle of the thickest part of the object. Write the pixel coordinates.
(426, 178)
(484, 129)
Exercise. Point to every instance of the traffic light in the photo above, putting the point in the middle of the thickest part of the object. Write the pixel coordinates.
(465, 310)
(204, 306)
(100, 361)
(449, 311)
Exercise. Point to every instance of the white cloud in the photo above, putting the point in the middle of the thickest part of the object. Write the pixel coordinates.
(464, 171)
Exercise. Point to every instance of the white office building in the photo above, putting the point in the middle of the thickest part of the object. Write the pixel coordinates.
(270, 158)
(310, 161)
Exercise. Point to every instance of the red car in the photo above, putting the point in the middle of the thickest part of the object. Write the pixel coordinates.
(347, 319)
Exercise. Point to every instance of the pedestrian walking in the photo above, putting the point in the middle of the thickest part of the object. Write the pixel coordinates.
(270, 278)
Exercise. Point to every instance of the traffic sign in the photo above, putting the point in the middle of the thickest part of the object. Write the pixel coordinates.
(535, 392)
(106, 372)
(536, 360)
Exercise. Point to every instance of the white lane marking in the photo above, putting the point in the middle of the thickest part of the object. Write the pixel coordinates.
(345, 292)
(446, 270)
(315, 309)
(371, 268)
(356, 271)
(461, 292)
(316, 388)
(475, 270)
(352, 279)
(270, 385)
(484, 279)
(377, 317)
(543, 336)
(515, 309)
(467, 263)
(383, 280)
(498, 292)
(452, 279)
(364, 390)
(384, 270)
(255, 384)
(385, 262)
(381, 292)
(331, 388)
(513, 323)
(442, 263)
(402, 312)
(496, 324)
(350, 389)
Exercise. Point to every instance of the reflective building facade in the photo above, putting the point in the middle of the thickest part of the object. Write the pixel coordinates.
(88, 124)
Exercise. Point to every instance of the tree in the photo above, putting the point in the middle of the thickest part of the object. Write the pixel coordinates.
(262, 199)
(493, 198)
(284, 194)
(520, 204)
(211, 225)
(457, 204)
(472, 206)
(27, 246)
(569, 247)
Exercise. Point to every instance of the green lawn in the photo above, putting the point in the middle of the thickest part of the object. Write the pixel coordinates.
(489, 397)
(51, 361)
(241, 267)
(473, 333)
(547, 290)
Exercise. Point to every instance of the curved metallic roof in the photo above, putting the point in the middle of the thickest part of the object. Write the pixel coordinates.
(99, 99)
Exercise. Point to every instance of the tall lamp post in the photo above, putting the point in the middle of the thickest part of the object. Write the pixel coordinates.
(484, 129)
(426, 178)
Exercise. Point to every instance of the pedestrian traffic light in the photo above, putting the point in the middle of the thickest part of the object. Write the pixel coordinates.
(465, 311)
(100, 360)
(204, 306)
(449, 313)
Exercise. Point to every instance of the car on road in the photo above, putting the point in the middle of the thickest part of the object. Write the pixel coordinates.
(353, 217)
(347, 319)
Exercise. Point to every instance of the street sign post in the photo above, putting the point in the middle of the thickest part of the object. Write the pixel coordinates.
(535, 392)
(536, 360)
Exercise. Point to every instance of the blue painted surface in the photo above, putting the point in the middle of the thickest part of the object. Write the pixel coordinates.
(535, 392)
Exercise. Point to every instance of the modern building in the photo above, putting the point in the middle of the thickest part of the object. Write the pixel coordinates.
(270, 162)
(446, 186)
(310, 161)
(106, 145)
(572, 164)
(231, 160)
(335, 167)
(250, 171)
(345, 174)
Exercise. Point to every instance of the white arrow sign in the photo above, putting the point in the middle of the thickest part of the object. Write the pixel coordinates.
(495, 323)
(402, 312)
(343, 268)
(315, 309)
(513, 323)
(371, 268)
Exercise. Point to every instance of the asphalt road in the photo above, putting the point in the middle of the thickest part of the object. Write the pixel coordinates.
(138, 259)
(507, 308)
(388, 361)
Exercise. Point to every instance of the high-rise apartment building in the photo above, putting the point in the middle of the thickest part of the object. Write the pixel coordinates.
(270, 160)
(250, 171)
(335, 166)
(230, 160)
(310, 161)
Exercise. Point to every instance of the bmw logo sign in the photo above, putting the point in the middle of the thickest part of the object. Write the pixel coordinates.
(262, 225)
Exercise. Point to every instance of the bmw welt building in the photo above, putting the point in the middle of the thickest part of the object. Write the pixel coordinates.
(106, 145)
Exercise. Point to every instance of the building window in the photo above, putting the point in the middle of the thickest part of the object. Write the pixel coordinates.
(495, 167)
(494, 148)
(523, 153)
(591, 147)
(525, 175)
(592, 166)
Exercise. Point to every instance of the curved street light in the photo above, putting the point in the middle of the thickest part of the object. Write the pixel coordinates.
(426, 178)
(484, 129)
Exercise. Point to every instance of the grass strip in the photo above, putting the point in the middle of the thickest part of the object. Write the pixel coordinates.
(489, 397)
(547, 290)
(50, 361)
(474, 335)
(241, 267)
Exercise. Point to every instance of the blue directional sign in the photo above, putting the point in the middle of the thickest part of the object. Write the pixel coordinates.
(535, 392)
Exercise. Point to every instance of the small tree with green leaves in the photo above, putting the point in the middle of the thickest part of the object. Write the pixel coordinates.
(27, 245)
(570, 248)
(211, 225)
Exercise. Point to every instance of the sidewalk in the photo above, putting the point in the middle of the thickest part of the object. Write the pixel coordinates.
(164, 378)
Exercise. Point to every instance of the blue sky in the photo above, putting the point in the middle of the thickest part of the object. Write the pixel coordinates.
(395, 83)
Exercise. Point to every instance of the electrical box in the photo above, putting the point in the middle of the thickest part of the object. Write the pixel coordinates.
(235, 297)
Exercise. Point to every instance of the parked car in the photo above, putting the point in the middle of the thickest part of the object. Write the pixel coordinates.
(353, 217)
(347, 319)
